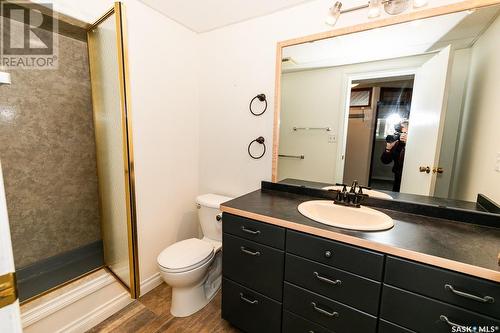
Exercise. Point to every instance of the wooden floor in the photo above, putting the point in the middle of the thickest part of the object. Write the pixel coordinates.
(151, 314)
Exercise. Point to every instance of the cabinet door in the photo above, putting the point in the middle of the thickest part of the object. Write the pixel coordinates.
(339, 285)
(347, 257)
(249, 310)
(462, 290)
(253, 265)
(259, 232)
(328, 313)
(423, 314)
(296, 324)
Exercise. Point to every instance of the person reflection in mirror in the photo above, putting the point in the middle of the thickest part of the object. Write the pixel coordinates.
(395, 152)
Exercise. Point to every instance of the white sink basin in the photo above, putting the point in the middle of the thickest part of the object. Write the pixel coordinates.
(371, 193)
(364, 218)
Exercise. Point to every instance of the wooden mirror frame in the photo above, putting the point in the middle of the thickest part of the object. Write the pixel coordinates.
(393, 20)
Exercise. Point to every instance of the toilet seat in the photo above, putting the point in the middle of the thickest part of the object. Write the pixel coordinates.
(185, 255)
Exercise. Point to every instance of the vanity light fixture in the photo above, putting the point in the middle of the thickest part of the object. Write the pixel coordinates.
(333, 14)
(420, 3)
(374, 8)
(391, 7)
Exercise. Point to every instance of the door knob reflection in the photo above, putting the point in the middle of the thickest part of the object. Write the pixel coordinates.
(426, 169)
(437, 170)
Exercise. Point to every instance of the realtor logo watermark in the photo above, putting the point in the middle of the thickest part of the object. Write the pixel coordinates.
(475, 329)
(29, 37)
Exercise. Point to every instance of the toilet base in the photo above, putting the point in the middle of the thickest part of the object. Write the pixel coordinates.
(187, 301)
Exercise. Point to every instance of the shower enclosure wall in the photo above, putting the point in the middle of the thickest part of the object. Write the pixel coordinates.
(48, 153)
(48, 150)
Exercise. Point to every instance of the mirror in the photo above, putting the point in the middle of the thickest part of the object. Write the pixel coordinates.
(409, 109)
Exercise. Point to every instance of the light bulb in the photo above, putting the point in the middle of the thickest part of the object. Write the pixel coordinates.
(420, 3)
(374, 8)
(334, 14)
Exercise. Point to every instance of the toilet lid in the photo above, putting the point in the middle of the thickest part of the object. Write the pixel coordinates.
(185, 253)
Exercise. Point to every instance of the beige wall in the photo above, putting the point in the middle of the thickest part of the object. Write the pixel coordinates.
(316, 98)
(164, 95)
(238, 63)
(479, 139)
(310, 99)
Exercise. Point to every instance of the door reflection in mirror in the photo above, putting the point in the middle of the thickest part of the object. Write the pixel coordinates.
(397, 100)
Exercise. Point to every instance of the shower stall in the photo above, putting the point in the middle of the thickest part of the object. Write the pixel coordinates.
(66, 156)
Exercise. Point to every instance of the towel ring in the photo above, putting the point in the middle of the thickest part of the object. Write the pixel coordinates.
(262, 98)
(260, 140)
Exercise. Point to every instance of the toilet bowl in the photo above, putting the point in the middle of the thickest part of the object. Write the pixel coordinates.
(193, 267)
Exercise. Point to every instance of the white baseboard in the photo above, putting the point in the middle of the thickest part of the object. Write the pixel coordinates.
(150, 283)
(45, 309)
(91, 319)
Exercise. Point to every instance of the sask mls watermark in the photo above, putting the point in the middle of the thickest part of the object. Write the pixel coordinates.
(29, 38)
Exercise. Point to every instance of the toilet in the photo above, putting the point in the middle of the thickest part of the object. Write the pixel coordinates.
(193, 267)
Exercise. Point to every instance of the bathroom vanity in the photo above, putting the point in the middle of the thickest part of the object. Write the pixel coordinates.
(283, 272)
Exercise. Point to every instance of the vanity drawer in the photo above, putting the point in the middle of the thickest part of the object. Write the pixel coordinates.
(431, 281)
(387, 327)
(353, 259)
(423, 314)
(350, 289)
(259, 232)
(326, 312)
(253, 265)
(249, 310)
(295, 324)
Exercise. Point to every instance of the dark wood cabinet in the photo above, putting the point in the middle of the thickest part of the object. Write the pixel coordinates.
(347, 257)
(423, 314)
(281, 280)
(253, 265)
(249, 310)
(350, 289)
(458, 289)
(331, 314)
(262, 233)
(296, 324)
(387, 327)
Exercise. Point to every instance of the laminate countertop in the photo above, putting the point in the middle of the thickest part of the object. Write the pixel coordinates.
(457, 246)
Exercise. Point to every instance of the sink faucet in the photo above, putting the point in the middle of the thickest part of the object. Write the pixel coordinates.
(351, 198)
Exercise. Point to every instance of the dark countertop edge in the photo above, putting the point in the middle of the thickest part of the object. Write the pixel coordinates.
(426, 209)
(421, 257)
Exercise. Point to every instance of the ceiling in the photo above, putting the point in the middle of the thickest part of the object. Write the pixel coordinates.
(459, 29)
(206, 15)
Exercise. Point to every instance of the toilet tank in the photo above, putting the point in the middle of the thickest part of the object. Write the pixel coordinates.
(208, 209)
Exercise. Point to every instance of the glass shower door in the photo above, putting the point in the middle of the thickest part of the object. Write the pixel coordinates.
(112, 123)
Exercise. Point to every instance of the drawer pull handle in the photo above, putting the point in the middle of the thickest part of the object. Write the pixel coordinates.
(252, 253)
(244, 299)
(327, 280)
(485, 299)
(322, 311)
(452, 324)
(250, 231)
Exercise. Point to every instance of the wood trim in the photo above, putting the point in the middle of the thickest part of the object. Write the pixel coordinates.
(393, 20)
(456, 266)
(277, 108)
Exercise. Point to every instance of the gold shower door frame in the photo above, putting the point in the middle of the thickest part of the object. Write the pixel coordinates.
(128, 160)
